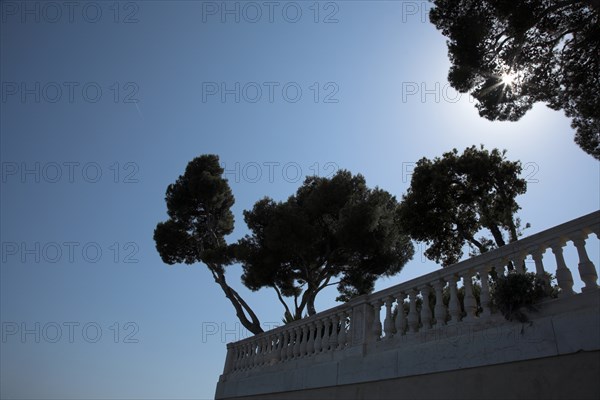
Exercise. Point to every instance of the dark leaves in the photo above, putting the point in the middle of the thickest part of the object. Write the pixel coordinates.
(552, 46)
(198, 205)
(331, 227)
(452, 198)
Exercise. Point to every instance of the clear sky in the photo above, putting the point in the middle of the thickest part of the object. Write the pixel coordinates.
(103, 105)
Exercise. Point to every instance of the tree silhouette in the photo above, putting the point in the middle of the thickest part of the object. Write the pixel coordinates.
(331, 228)
(451, 199)
(511, 54)
(199, 208)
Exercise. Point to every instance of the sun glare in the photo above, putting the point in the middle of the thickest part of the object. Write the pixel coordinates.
(508, 79)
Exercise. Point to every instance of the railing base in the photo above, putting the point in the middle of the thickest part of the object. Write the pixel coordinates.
(563, 326)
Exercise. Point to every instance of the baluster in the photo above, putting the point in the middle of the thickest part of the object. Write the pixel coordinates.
(425, 308)
(239, 358)
(247, 357)
(258, 358)
(275, 349)
(388, 324)
(333, 339)
(281, 346)
(269, 349)
(376, 328)
(400, 316)
(304, 342)
(310, 345)
(454, 304)
(563, 274)
(587, 270)
(470, 302)
(499, 267)
(256, 349)
(519, 262)
(266, 345)
(260, 347)
(318, 342)
(537, 256)
(342, 335)
(265, 351)
(269, 353)
(440, 307)
(326, 334)
(484, 296)
(236, 358)
(349, 315)
(251, 355)
(242, 357)
(284, 346)
(413, 316)
(290, 347)
(256, 353)
(297, 341)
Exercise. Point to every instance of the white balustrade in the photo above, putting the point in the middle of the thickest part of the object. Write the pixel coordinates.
(484, 296)
(388, 324)
(400, 323)
(563, 274)
(587, 270)
(376, 329)
(425, 309)
(413, 315)
(318, 337)
(336, 330)
(326, 333)
(342, 335)
(454, 305)
(440, 307)
(469, 302)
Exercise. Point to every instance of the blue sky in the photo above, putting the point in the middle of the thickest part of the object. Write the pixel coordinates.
(105, 103)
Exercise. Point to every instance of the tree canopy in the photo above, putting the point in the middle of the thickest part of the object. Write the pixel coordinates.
(331, 228)
(511, 54)
(199, 208)
(452, 198)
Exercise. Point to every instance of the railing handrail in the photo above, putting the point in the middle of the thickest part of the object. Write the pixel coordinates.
(537, 241)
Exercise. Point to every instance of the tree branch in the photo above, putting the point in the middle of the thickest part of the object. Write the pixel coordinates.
(287, 310)
(241, 307)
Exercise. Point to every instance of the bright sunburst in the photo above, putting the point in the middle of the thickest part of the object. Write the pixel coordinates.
(508, 79)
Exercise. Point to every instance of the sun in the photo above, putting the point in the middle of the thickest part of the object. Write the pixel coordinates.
(508, 79)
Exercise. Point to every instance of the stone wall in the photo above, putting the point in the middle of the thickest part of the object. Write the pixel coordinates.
(560, 344)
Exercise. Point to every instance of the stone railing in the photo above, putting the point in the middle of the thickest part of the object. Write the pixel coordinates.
(354, 326)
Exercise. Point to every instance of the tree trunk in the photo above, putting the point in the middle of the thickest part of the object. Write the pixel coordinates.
(310, 304)
(241, 307)
(497, 235)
